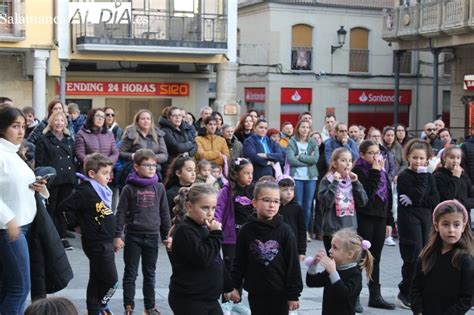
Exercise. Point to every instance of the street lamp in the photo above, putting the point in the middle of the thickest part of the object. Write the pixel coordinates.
(341, 38)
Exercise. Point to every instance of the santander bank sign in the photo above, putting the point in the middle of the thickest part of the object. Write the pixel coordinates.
(378, 97)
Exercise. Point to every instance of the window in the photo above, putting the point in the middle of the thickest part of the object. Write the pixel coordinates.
(301, 47)
(359, 50)
(6, 10)
(405, 62)
(448, 59)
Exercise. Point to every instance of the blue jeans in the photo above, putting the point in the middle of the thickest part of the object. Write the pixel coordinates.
(15, 272)
(304, 191)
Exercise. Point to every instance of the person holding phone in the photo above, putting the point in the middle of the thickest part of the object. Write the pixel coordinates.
(17, 212)
(417, 197)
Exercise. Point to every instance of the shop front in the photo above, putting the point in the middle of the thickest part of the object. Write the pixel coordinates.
(374, 108)
(255, 99)
(293, 102)
(127, 97)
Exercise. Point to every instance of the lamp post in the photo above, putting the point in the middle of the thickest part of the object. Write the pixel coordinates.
(341, 38)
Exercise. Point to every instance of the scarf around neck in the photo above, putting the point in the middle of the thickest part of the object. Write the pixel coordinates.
(136, 180)
(104, 192)
(382, 190)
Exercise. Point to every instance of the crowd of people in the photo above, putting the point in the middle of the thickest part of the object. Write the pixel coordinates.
(235, 207)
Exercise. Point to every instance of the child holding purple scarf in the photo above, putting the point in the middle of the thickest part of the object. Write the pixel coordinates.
(376, 216)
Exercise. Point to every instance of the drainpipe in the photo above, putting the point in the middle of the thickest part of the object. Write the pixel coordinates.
(396, 101)
(435, 81)
(417, 88)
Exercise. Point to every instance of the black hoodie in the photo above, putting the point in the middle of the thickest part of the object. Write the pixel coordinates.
(293, 215)
(266, 259)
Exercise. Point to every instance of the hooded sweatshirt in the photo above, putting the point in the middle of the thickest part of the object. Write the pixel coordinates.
(266, 259)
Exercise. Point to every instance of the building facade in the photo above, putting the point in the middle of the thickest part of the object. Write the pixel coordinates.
(445, 29)
(293, 58)
(128, 54)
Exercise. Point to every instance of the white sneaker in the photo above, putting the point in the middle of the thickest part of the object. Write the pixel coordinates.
(390, 242)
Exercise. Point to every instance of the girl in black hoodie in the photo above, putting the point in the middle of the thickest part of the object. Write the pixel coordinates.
(451, 180)
(376, 215)
(197, 280)
(266, 259)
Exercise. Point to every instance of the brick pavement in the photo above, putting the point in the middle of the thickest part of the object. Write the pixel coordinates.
(311, 298)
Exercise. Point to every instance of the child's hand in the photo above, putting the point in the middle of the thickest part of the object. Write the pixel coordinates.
(328, 264)
(378, 163)
(168, 243)
(234, 296)
(457, 171)
(293, 305)
(213, 225)
(337, 176)
(353, 176)
(301, 257)
(320, 254)
(118, 244)
(77, 230)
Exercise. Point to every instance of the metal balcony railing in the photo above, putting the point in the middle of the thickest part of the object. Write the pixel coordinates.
(301, 58)
(156, 27)
(431, 14)
(455, 16)
(359, 60)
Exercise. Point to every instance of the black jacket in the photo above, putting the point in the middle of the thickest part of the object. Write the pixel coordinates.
(58, 154)
(340, 297)
(198, 269)
(420, 188)
(84, 208)
(468, 157)
(50, 268)
(266, 259)
(375, 206)
(178, 140)
(293, 215)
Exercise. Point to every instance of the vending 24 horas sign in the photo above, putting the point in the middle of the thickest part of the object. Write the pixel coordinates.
(127, 88)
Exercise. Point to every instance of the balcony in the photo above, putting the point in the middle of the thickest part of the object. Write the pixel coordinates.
(389, 27)
(301, 58)
(359, 60)
(408, 22)
(156, 31)
(455, 16)
(431, 15)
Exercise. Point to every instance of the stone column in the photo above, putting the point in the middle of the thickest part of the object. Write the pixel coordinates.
(226, 92)
(62, 81)
(39, 82)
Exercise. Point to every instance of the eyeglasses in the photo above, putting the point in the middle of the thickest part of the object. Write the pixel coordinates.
(270, 201)
(149, 166)
(373, 153)
(110, 115)
(99, 116)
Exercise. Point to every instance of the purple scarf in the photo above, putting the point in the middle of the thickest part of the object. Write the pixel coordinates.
(344, 185)
(136, 180)
(382, 190)
(104, 192)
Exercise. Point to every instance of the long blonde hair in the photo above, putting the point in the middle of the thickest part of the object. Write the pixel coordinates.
(51, 119)
(136, 128)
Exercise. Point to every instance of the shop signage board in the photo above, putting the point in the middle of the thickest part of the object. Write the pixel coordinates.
(296, 96)
(255, 95)
(378, 97)
(127, 88)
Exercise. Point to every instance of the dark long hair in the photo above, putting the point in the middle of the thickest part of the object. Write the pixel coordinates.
(8, 115)
(176, 164)
(90, 120)
(236, 165)
(464, 247)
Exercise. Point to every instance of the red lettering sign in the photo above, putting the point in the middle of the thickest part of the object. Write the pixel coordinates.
(126, 88)
(469, 85)
(255, 95)
(378, 97)
(296, 96)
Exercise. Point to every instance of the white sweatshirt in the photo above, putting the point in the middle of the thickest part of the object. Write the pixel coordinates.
(17, 200)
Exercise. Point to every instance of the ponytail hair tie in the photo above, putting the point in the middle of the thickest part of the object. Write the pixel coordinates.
(366, 244)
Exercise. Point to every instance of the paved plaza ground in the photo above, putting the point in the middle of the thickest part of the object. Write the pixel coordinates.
(310, 301)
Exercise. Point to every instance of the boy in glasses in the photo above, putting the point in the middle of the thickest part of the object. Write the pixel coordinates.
(142, 214)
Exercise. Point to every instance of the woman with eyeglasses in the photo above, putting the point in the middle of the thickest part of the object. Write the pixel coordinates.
(94, 137)
(111, 124)
(143, 134)
(401, 135)
(179, 135)
(263, 152)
